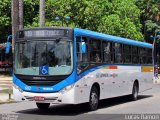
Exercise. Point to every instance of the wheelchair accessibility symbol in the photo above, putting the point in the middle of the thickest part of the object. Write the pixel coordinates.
(44, 70)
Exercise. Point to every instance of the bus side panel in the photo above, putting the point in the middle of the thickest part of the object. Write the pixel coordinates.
(146, 76)
(114, 81)
(82, 91)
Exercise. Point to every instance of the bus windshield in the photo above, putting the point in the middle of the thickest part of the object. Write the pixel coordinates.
(31, 55)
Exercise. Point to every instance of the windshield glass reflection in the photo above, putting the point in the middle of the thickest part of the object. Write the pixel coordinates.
(31, 55)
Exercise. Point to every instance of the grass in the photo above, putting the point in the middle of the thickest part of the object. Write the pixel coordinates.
(7, 101)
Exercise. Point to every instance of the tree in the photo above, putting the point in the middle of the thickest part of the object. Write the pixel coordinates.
(31, 12)
(15, 17)
(42, 13)
(5, 19)
(122, 19)
(84, 13)
(20, 14)
(116, 17)
(150, 17)
(31, 20)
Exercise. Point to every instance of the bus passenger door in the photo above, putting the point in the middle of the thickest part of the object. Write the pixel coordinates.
(82, 65)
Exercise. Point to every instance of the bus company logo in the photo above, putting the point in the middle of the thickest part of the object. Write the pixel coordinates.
(106, 75)
(47, 88)
(114, 75)
(39, 78)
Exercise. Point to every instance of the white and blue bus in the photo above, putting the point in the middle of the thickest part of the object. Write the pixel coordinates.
(61, 65)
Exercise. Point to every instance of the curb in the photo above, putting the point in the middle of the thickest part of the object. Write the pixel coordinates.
(7, 102)
(6, 79)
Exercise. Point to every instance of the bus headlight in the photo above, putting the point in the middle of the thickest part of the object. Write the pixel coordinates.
(16, 87)
(67, 88)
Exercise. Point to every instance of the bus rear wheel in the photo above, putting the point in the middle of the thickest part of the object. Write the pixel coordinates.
(43, 106)
(94, 99)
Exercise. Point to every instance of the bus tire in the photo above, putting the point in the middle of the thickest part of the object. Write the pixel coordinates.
(43, 106)
(93, 99)
(134, 94)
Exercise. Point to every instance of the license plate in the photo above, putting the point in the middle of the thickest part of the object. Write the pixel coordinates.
(39, 98)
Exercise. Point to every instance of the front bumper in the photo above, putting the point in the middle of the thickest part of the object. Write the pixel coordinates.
(53, 98)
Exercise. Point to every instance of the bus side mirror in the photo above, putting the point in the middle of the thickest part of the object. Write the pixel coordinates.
(8, 45)
(83, 48)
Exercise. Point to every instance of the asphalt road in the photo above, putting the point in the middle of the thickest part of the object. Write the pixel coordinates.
(118, 108)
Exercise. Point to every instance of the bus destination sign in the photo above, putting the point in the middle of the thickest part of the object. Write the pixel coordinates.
(41, 33)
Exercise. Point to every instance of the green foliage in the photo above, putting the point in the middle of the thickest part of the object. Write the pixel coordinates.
(152, 27)
(5, 12)
(122, 19)
(5, 18)
(116, 17)
(150, 17)
(31, 13)
(149, 8)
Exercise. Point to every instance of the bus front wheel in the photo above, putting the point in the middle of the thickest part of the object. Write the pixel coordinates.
(94, 99)
(43, 106)
(134, 94)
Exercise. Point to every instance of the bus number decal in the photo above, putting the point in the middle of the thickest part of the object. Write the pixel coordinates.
(27, 88)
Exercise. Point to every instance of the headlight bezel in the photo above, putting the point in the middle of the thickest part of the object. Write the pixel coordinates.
(67, 88)
(18, 88)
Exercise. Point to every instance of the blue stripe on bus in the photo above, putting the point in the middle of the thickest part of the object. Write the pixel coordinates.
(70, 80)
(88, 33)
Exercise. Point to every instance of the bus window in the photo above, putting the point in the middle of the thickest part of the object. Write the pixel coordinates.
(117, 51)
(142, 54)
(149, 56)
(127, 53)
(107, 52)
(95, 51)
(81, 57)
(135, 56)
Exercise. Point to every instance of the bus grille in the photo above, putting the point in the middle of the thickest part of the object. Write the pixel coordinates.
(40, 82)
(47, 81)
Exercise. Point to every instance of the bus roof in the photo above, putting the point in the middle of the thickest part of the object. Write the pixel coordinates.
(89, 33)
(83, 32)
